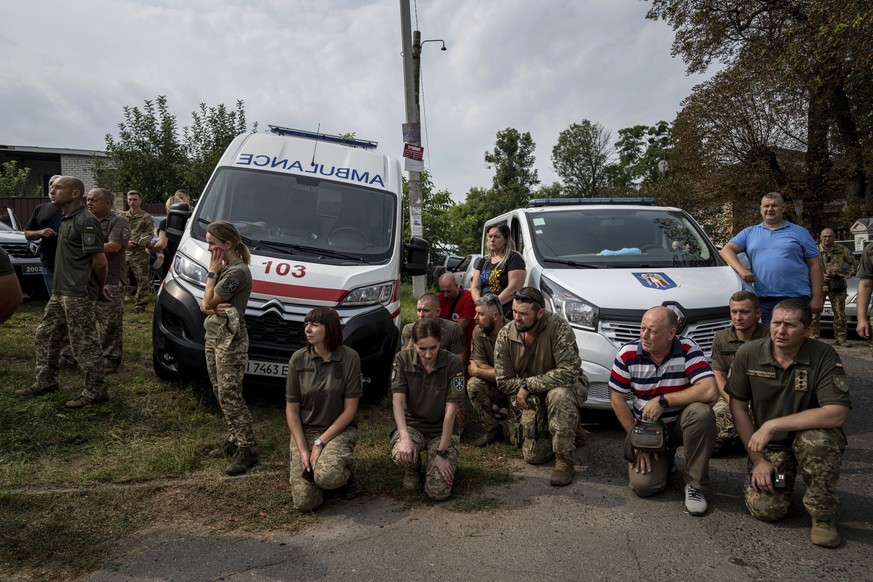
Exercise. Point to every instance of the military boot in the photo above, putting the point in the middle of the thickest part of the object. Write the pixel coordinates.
(492, 436)
(243, 460)
(824, 533)
(411, 478)
(563, 472)
(225, 451)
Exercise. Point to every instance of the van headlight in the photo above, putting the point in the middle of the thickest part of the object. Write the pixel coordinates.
(189, 270)
(369, 295)
(574, 309)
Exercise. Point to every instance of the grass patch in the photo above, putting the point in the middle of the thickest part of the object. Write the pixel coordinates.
(75, 483)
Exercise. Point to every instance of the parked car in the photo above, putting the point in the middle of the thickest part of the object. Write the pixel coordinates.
(448, 264)
(23, 253)
(464, 271)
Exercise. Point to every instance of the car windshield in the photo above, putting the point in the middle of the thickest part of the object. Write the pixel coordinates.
(280, 215)
(620, 238)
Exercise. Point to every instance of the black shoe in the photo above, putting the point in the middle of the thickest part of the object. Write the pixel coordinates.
(492, 436)
(225, 451)
(351, 489)
(243, 460)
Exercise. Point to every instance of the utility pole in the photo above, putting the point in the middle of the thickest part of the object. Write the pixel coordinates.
(412, 128)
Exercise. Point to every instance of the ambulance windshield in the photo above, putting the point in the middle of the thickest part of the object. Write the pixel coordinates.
(278, 214)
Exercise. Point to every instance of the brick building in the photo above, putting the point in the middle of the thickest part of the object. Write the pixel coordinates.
(46, 162)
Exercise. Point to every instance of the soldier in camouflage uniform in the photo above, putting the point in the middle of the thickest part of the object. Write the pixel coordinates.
(79, 280)
(427, 389)
(322, 393)
(142, 227)
(490, 403)
(799, 393)
(839, 265)
(745, 313)
(865, 286)
(110, 316)
(228, 287)
(537, 364)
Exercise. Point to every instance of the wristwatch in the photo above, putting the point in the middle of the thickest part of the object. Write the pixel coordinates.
(211, 275)
(319, 443)
(524, 385)
(662, 400)
(444, 453)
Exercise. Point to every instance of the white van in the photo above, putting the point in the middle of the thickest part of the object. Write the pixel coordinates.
(322, 218)
(601, 263)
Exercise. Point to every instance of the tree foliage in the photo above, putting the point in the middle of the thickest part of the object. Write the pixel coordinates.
(13, 180)
(514, 175)
(640, 149)
(436, 207)
(581, 158)
(150, 156)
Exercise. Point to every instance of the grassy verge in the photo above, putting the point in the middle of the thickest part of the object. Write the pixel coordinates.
(74, 483)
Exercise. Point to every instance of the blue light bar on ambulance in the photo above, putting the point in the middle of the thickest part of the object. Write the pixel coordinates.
(537, 202)
(357, 143)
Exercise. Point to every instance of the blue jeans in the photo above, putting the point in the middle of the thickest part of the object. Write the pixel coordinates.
(768, 303)
(48, 274)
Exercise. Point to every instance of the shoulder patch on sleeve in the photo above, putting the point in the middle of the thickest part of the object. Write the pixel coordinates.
(125, 233)
(458, 383)
(842, 383)
(230, 285)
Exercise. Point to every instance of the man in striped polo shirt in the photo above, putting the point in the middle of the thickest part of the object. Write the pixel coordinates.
(666, 378)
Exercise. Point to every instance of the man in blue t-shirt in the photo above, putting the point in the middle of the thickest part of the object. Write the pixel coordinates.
(784, 258)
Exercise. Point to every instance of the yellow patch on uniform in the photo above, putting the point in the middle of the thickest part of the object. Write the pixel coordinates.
(842, 383)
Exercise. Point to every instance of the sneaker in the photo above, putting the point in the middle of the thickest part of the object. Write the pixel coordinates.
(492, 436)
(411, 478)
(36, 390)
(82, 402)
(563, 472)
(158, 263)
(244, 459)
(695, 502)
(351, 489)
(824, 533)
(225, 451)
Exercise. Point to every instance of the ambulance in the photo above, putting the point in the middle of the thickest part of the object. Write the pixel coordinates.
(601, 263)
(322, 217)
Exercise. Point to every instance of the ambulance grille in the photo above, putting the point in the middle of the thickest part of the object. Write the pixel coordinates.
(274, 337)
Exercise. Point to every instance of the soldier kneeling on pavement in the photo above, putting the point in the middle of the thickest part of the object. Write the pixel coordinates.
(799, 393)
(537, 363)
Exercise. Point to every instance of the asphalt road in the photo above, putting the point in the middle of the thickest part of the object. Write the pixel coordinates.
(595, 528)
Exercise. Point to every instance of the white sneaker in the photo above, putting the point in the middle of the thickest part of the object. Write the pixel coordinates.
(695, 502)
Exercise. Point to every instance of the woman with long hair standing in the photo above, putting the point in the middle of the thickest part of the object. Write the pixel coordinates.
(501, 271)
(322, 393)
(427, 391)
(228, 287)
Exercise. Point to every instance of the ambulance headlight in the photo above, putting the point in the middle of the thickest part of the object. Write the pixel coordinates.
(189, 270)
(369, 295)
(578, 312)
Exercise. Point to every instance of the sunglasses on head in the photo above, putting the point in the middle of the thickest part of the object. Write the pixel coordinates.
(524, 298)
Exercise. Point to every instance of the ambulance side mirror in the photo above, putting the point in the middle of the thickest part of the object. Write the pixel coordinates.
(176, 220)
(415, 261)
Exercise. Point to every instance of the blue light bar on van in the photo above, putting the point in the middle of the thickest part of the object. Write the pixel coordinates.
(358, 143)
(537, 202)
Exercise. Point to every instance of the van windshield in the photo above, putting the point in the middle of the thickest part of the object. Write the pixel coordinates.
(620, 238)
(280, 215)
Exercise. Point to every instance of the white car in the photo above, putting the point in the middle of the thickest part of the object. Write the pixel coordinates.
(464, 271)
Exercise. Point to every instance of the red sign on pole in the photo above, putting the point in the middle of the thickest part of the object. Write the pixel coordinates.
(413, 152)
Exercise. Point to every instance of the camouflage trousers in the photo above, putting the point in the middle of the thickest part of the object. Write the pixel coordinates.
(435, 486)
(226, 359)
(484, 396)
(110, 324)
(138, 263)
(548, 427)
(818, 453)
(725, 433)
(332, 468)
(838, 304)
(74, 317)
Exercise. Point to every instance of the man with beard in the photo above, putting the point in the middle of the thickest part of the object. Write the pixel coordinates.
(491, 404)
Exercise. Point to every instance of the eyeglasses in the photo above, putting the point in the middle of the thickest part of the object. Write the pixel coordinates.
(524, 298)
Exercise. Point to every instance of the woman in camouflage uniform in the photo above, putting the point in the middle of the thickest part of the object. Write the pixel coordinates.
(322, 393)
(228, 287)
(427, 390)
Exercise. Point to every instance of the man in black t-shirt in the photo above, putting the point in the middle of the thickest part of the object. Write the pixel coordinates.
(43, 226)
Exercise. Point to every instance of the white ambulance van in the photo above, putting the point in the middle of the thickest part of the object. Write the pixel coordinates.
(322, 218)
(602, 263)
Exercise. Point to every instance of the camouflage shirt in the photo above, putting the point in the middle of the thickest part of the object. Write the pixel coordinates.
(142, 228)
(552, 361)
(835, 258)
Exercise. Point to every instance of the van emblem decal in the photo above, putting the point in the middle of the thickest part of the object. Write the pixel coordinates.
(655, 280)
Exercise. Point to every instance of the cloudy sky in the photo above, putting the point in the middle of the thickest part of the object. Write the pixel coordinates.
(69, 68)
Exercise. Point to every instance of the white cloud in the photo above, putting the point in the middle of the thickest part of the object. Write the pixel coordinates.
(71, 67)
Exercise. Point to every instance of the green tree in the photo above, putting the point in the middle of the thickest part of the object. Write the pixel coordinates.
(468, 218)
(822, 50)
(13, 180)
(211, 131)
(435, 216)
(514, 175)
(581, 157)
(640, 148)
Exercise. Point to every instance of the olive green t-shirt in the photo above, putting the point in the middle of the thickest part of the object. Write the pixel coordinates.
(234, 286)
(452, 337)
(322, 386)
(79, 237)
(428, 392)
(116, 230)
(815, 378)
(726, 343)
(483, 346)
